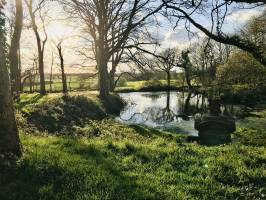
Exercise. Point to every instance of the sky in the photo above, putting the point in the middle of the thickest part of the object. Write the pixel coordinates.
(58, 28)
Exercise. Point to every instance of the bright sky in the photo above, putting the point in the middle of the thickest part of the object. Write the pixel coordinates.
(57, 29)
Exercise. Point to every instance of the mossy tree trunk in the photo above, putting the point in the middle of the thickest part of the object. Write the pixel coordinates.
(9, 139)
(14, 49)
(102, 64)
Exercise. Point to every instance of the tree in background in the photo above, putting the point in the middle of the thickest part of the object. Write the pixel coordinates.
(241, 69)
(166, 62)
(9, 139)
(34, 9)
(14, 49)
(255, 31)
(206, 56)
(62, 66)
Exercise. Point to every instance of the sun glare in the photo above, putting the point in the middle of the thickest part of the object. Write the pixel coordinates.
(59, 30)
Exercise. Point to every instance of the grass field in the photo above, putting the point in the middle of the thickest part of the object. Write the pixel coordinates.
(76, 83)
(103, 159)
(147, 85)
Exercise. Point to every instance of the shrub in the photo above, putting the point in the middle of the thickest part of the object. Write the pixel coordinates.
(122, 82)
(113, 104)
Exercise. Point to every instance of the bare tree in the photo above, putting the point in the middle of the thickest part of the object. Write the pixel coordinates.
(9, 139)
(51, 72)
(247, 1)
(62, 66)
(40, 43)
(166, 62)
(206, 56)
(110, 23)
(14, 49)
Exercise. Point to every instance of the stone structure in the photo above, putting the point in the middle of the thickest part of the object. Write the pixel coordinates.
(214, 128)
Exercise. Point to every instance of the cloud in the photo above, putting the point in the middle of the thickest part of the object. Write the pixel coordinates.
(179, 38)
(178, 35)
(242, 16)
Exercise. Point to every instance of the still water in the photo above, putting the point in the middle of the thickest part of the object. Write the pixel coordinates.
(170, 111)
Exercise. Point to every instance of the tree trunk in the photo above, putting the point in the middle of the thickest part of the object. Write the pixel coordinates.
(40, 49)
(9, 139)
(51, 73)
(41, 69)
(112, 80)
(14, 49)
(168, 80)
(64, 81)
(103, 80)
(30, 81)
(187, 74)
(103, 72)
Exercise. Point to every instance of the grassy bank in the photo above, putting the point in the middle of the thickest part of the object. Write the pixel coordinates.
(102, 159)
(148, 86)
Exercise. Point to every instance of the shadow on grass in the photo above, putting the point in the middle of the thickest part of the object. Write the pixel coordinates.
(90, 175)
(151, 132)
(31, 100)
(62, 113)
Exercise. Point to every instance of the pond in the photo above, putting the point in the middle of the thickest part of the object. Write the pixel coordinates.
(169, 111)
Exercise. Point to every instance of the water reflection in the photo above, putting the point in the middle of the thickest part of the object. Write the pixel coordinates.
(172, 111)
(164, 110)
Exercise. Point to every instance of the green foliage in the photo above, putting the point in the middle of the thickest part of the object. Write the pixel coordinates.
(251, 137)
(122, 82)
(113, 104)
(242, 68)
(152, 83)
(241, 79)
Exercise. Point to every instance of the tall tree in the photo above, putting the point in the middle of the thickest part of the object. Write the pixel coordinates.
(62, 66)
(166, 62)
(9, 139)
(110, 23)
(40, 43)
(206, 56)
(14, 49)
(51, 72)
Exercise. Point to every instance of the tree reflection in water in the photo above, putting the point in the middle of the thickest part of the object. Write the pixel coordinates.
(162, 108)
(172, 111)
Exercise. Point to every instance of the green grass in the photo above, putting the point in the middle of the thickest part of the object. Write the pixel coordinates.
(152, 85)
(75, 84)
(91, 84)
(252, 130)
(103, 159)
(126, 162)
(58, 113)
